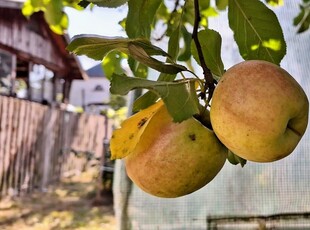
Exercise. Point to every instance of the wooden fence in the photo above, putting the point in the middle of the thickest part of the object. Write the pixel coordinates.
(36, 143)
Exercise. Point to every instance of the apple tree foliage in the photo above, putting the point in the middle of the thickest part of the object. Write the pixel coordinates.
(183, 26)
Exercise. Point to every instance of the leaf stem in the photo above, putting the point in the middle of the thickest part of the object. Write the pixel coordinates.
(209, 81)
(195, 75)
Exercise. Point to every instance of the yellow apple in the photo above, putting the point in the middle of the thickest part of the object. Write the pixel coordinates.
(174, 159)
(259, 111)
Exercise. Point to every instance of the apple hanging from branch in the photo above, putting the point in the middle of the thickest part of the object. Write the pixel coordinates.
(165, 158)
(259, 111)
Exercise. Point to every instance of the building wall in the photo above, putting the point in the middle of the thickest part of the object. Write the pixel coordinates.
(28, 38)
(93, 90)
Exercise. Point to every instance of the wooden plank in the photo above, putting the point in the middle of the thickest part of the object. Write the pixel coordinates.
(3, 121)
(13, 146)
(38, 173)
(92, 127)
(63, 132)
(26, 147)
(7, 145)
(27, 141)
(36, 121)
(1, 134)
(23, 151)
(32, 144)
(72, 126)
(100, 133)
(60, 143)
(49, 141)
(39, 149)
(19, 143)
(54, 155)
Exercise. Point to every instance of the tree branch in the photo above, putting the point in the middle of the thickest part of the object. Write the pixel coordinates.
(176, 5)
(209, 81)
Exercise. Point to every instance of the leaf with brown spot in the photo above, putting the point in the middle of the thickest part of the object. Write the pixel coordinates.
(125, 139)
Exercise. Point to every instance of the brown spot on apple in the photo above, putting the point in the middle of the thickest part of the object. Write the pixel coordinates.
(192, 136)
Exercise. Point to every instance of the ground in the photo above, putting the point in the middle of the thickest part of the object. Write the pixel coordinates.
(67, 206)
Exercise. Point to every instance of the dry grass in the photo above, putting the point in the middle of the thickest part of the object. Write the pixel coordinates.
(68, 206)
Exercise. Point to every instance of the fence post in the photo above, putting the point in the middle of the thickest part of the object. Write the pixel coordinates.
(50, 118)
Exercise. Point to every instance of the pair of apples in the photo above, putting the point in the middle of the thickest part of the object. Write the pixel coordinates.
(258, 111)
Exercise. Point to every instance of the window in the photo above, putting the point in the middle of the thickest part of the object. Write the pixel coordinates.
(25, 80)
(98, 88)
(40, 83)
(6, 72)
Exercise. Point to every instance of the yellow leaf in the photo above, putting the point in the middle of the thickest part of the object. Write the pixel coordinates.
(125, 139)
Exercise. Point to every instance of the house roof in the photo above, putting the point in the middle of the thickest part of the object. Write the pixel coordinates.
(95, 71)
(36, 42)
(16, 4)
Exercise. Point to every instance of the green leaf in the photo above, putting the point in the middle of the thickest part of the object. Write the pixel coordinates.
(302, 20)
(221, 4)
(173, 44)
(84, 3)
(96, 47)
(275, 2)
(234, 159)
(175, 30)
(75, 4)
(189, 11)
(138, 69)
(53, 13)
(148, 47)
(37, 3)
(108, 3)
(144, 101)
(210, 12)
(210, 42)
(55, 17)
(204, 4)
(142, 56)
(112, 63)
(173, 24)
(150, 97)
(180, 97)
(140, 17)
(61, 26)
(162, 13)
(256, 30)
(141, 71)
(28, 8)
(185, 52)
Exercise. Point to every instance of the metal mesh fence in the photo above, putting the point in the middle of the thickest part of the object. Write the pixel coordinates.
(258, 196)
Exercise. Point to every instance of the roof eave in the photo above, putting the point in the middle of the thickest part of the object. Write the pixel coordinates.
(11, 4)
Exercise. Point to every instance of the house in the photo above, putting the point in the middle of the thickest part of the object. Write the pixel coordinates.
(93, 94)
(34, 62)
(37, 141)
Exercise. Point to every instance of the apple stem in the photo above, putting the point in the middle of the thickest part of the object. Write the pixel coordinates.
(209, 81)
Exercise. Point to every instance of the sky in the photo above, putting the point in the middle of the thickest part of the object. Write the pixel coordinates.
(104, 21)
(99, 21)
